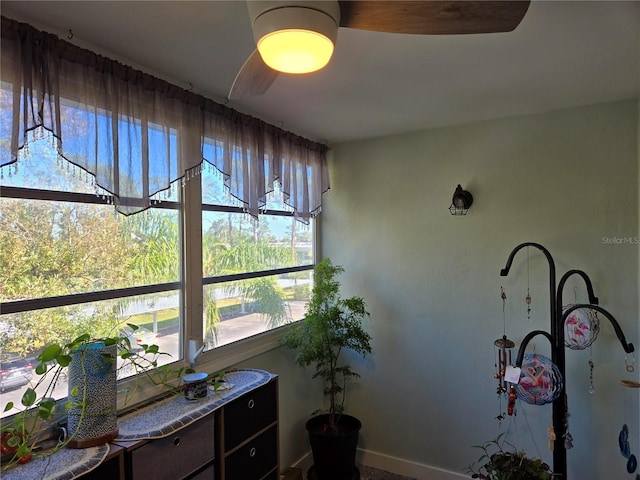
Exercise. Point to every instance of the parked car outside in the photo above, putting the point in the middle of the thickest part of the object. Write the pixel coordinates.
(15, 371)
(140, 336)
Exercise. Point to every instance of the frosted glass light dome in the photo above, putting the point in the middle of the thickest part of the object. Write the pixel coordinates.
(295, 39)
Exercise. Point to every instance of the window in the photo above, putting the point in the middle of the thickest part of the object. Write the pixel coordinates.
(256, 275)
(195, 266)
(72, 264)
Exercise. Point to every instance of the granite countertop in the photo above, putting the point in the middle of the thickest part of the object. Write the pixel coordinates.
(155, 420)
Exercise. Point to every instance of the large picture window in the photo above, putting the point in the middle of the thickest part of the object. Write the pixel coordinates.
(72, 264)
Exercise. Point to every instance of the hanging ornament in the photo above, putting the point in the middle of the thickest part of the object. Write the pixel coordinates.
(503, 351)
(568, 438)
(625, 449)
(527, 299)
(630, 367)
(630, 383)
(581, 328)
(591, 389)
(623, 441)
(503, 359)
(540, 380)
(503, 346)
(512, 400)
(624, 436)
(551, 437)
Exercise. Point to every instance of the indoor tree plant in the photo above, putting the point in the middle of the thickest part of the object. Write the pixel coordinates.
(331, 325)
(498, 463)
(90, 364)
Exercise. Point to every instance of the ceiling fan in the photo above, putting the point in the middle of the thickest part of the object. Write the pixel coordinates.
(320, 21)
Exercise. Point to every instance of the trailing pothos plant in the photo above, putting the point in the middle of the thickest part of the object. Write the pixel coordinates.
(24, 435)
(499, 463)
(331, 325)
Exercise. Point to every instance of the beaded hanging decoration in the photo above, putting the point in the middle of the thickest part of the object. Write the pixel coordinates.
(568, 438)
(527, 299)
(591, 388)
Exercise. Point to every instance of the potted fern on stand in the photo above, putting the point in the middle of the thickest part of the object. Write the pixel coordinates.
(331, 325)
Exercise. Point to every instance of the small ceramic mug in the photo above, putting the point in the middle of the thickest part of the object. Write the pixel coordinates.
(195, 386)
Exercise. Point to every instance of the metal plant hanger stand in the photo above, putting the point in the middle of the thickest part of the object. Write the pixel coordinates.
(557, 341)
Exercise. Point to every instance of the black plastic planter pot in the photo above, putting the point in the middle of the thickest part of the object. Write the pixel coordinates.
(334, 453)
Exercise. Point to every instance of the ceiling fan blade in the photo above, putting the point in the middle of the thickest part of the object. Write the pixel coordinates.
(433, 17)
(253, 79)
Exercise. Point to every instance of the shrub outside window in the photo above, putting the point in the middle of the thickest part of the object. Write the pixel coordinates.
(72, 264)
(256, 275)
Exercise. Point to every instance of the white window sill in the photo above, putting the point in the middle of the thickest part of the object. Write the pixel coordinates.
(142, 390)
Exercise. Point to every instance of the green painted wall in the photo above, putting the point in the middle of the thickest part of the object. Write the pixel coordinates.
(567, 180)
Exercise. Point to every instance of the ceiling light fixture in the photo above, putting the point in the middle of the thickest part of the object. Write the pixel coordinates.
(461, 202)
(295, 38)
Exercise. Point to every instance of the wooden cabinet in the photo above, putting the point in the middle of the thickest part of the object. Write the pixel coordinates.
(237, 441)
(232, 435)
(112, 468)
(247, 436)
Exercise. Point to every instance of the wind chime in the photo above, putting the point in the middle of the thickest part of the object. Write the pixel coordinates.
(623, 437)
(503, 359)
(537, 382)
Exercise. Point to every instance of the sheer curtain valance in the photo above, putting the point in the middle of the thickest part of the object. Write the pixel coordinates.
(137, 134)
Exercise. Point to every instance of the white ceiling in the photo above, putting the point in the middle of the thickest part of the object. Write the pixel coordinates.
(563, 54)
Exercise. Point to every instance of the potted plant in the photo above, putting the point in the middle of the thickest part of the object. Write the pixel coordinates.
(498, 463)
(90, 365)
(331, 325)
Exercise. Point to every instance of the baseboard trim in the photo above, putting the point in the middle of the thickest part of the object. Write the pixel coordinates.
(391, 464)
(404, 467)
(304, 462)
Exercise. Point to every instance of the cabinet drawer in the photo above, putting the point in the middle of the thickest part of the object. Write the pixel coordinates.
(177, 455)
(255, 459)
(112, 468)
(273, 475)
(206, 474)
(249, 414)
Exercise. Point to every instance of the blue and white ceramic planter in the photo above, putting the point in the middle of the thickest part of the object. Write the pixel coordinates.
(92, 375)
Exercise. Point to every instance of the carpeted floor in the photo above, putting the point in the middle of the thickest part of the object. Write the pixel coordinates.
(368, 473)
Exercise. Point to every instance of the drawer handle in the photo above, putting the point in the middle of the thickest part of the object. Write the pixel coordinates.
(251, 404)
(176, 442)
(252, 452)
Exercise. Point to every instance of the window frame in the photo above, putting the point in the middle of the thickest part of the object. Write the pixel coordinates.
(224, 356)
(18, 306)
(190, 285)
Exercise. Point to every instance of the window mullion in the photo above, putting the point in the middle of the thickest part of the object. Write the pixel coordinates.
(191, 258)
